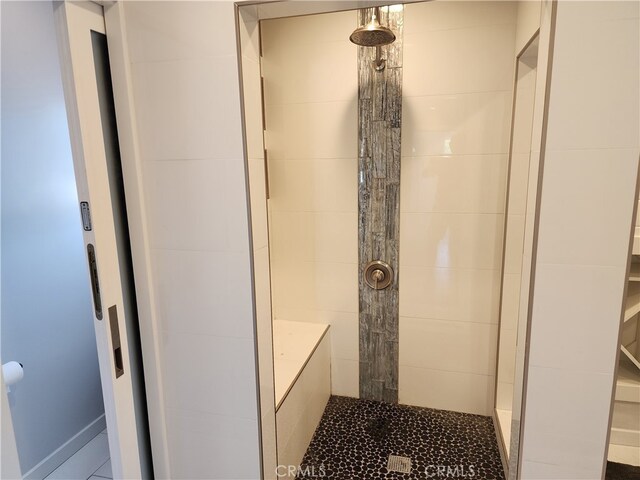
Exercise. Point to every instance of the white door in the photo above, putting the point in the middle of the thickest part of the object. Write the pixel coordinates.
(96, 157)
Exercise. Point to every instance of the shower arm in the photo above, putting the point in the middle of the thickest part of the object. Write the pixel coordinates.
(379, 62)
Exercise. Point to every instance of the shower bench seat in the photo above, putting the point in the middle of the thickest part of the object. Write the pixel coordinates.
(302, 368)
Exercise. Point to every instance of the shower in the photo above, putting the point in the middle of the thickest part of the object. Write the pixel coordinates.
(373, 34)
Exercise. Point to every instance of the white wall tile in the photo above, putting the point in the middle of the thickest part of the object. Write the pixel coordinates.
(299, 130)
(307, 127)
(471, 125)
(188, 109)
(337, 286)
(565, 235)
(194, 301)
(528, 21)
(612, 41)
(446, 345)
(504, 396)
(588, 192)
(473, 59)
(187, 389)
(327, 185)
(456, 15)
(458, 124)
(188, 121)
(275, 137)
(344, 328)
(510, 307)
(524, 104)
(197, 205)
(461, 392)
(316, 285)
(297, 71)
(293, 285)
(162, 31)
(291, 238)
(334, 237)
(345, 377)
(547, 471)
(451, 240)
(450, 294)
(506, 368)
(311, 139)
(569, 298)
(344, 333)
(264, 334)
(519, 178)
(306, 29)
(462, 184)
(202, 446)
(583, 431)
(458, 77)
(311, 236)
(514, 242)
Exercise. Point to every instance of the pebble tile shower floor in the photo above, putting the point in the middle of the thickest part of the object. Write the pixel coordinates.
(356, 437)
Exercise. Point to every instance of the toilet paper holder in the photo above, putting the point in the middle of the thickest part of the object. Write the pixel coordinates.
(12, 373)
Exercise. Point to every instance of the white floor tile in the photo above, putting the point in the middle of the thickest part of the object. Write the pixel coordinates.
(104, 471)
(85, 461)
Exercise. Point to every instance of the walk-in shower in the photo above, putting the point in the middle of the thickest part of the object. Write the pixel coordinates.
(393, 280)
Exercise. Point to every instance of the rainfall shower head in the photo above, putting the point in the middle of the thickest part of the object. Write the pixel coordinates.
(372, 34)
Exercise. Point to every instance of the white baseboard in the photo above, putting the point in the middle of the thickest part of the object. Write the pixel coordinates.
(65, 451)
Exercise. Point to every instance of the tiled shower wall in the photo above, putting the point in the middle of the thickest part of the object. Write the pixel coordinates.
(311, 100)
(458, 80)
(379, 137)
(457, 89)
(580, 277)
(186, 93)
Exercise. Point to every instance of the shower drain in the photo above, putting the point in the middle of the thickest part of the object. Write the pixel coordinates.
(399, 464)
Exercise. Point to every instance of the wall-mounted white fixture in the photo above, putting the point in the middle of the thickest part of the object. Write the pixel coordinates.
(12, 373)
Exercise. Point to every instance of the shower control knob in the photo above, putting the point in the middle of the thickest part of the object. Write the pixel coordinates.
(378, 274)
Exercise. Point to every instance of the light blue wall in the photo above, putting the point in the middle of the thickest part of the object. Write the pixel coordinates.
(46, 304)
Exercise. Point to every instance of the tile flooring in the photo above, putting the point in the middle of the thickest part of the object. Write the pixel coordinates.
(91, 462)
(356, 437)
(621, 471)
